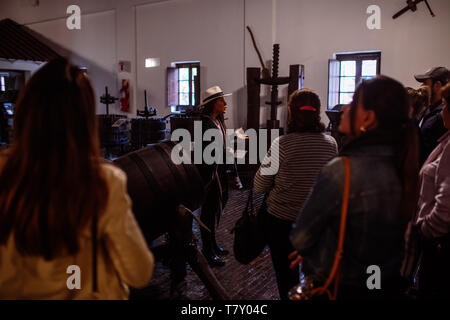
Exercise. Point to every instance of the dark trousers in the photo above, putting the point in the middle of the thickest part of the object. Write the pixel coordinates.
(211, 211)
(277, 233)
(434, 274)
(208, 215)
(232, 169)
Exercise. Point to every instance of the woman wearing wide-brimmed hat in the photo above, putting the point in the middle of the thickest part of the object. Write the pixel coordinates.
(213, 108)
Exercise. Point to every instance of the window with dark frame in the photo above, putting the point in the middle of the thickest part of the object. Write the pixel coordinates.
(3, 82)
(346, 72)
(183, 85)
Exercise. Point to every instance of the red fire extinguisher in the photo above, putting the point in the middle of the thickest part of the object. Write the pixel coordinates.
(125, 96)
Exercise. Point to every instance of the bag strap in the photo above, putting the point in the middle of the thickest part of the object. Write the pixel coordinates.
(250, 203)
(94, 253)
(335, 270)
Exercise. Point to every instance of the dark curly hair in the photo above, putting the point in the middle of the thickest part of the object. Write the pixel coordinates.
(304, 120)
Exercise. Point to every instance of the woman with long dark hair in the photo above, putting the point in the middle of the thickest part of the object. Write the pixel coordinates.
(213, 110)
(55, 191)
(383, 160)
(301, 155)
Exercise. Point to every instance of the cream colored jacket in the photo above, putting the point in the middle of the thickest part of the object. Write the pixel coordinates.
(123, 258)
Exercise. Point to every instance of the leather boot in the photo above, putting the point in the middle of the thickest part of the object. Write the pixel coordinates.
(218, 250)
(213, 259)
(208, 251)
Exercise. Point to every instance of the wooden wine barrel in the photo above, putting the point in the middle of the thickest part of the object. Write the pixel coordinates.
(157, 186)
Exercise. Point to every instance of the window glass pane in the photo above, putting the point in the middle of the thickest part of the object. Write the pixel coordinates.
(345, 98)
(184, 99)
(193, 99)
(347, 84)
(348, 68)
(183, 74)
(194, 73)
(184, 86)
(369, 68)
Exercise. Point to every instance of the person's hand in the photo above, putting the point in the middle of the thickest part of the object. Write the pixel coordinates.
(297, 259)
(241, 134)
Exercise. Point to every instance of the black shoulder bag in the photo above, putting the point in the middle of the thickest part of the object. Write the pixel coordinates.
(249, 235)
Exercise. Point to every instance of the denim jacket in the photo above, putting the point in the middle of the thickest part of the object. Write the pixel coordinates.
(374, 229)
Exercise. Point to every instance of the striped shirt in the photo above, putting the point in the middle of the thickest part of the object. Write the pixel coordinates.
(301, 157)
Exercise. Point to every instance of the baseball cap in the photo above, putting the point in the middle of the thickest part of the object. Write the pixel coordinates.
(437, 73)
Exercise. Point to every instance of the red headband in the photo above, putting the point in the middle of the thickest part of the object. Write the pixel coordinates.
(309, 108)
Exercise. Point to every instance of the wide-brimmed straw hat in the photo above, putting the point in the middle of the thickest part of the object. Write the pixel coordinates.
(213, 93)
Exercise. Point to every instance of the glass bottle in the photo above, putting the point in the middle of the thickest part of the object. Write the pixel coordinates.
(302, 290)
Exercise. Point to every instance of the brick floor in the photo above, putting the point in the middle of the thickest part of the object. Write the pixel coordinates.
(255, 281)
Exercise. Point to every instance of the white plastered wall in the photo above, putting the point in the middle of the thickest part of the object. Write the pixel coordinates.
(213, 31)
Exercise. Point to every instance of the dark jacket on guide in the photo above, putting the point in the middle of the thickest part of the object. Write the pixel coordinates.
(207, 171)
